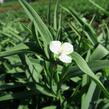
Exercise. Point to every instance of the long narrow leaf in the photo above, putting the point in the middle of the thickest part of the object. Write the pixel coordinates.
(85, 68)
(39, 25)
(86, 26)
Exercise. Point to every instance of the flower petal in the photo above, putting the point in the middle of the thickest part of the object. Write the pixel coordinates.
(55, 47)
(65, 58)
(66, 48)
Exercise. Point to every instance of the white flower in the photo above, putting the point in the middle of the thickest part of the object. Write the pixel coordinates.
(84, 19)
(55, 47)
(66, 48)
(65, 58)
(63, 50)
(1, 1)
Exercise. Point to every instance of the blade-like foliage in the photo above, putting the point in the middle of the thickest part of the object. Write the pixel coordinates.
(46, 36)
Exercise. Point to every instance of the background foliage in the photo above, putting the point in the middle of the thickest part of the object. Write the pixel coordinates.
(30, 78)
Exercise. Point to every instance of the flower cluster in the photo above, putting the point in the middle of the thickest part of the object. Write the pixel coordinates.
(62, 50)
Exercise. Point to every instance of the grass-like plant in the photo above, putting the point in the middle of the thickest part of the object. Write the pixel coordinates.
(59, 65)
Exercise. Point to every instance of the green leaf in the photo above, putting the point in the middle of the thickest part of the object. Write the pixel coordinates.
(91, 35)
(99, 7)
(35, 68)
(23, 107)
(20, 95)
(86, 98)
(73, 71)
(46, 36)
(13, 85)
(10, 34)
(44, 90)
(99, 53)
(20, 48)
(49, 107)
(85, 68)
(56, 15)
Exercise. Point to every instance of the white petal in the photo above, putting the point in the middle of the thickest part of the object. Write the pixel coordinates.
(84, 19)
(55, 47)
(67, 48)
(64, 58)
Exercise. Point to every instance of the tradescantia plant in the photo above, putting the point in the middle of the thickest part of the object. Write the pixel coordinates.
(49, 71)
(46, 38)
